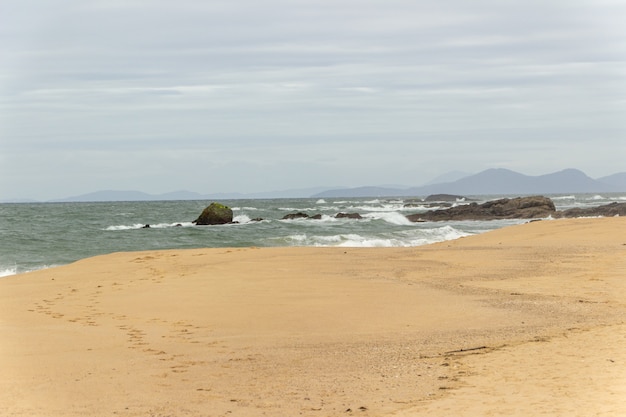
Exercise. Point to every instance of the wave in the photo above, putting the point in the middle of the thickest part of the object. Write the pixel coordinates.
(564, 197)
(5, 272)
(152, 226)
(242, 219)
(418, 237)
(14, 270)
(390, 217)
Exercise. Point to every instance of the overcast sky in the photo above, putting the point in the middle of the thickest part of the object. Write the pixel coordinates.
(250, 96)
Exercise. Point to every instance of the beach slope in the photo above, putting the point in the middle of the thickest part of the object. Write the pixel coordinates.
(525, 320)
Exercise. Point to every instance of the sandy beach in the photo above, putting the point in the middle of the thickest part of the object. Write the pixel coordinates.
(525, 320)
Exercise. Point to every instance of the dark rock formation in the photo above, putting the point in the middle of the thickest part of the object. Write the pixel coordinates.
(608, 210)
(514, 208)
(444, 197)
(348, 216)
(215, 213)
(298, 215)
(440, 204)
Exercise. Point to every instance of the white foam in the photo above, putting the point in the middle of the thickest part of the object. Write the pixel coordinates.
(321, 201)
(125, 227)
(390, 217)
(152, 226)
(407, 238)
(242, 218)
(6, 272)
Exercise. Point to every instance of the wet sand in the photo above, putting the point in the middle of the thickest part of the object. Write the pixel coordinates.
(526, 320)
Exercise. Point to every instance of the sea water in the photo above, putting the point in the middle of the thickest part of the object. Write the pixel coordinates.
(42, 235)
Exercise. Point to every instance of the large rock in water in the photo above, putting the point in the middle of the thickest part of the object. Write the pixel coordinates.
(215, 213)
(505, 208)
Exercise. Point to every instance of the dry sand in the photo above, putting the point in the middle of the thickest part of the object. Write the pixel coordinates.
(526, 320)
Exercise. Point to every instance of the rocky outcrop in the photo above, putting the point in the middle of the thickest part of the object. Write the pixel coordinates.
(356, 216)
(215, 213)
(608, 210)
(298, 215)
(506, 208)
(444, 197)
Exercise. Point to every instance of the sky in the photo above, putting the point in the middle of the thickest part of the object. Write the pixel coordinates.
(250, 96)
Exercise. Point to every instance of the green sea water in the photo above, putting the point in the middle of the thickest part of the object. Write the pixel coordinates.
(41, 235)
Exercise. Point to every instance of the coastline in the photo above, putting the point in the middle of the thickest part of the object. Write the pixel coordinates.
(320, 331)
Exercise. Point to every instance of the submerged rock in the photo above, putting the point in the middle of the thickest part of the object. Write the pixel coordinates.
(215, 213)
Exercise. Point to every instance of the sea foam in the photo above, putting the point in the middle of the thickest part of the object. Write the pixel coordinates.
(5, 272)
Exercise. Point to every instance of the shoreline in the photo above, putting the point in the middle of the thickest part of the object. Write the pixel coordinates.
(318, 331)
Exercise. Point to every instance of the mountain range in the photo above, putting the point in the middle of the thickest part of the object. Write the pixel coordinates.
(495, 181)
(498, 181)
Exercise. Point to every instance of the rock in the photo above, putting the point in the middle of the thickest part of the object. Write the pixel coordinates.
(505, 208)
(424, 204)
(608, 210)
(298, 215)
(215, 213)
(445, 197)
(316, 217)
(348, 216)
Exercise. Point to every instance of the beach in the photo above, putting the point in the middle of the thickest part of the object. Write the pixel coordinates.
(525, 320)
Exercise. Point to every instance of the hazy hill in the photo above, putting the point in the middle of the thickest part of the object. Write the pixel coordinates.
(504, 181)
(119, 195)
(491, 181)
(617, 181)
(448, 177)
(109, 195)
(499, 181)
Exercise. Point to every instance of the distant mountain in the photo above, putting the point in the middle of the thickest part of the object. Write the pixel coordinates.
(504, 181)
(617, 181)
(498, 181)
(360, 192)
(289, 193)
(448, 177)
(108, 195)
(119, 195)
(489, 182)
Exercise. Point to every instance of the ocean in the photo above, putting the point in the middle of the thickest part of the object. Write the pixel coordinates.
(42, 235)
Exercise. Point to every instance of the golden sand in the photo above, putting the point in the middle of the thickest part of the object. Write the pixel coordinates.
(526, 320)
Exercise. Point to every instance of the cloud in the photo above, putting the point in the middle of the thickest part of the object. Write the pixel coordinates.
(261, 83)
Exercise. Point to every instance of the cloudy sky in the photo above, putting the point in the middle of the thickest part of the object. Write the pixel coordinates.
(249, 96)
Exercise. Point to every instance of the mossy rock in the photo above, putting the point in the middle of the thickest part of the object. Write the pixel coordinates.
(215, 213)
